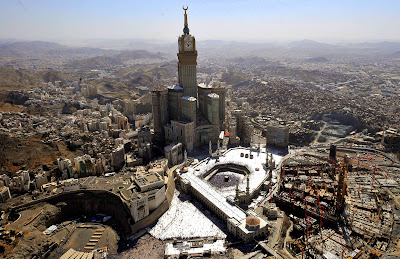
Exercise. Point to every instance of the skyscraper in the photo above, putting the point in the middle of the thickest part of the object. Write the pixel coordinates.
(187, 61)
(159, 98)
(177, 117)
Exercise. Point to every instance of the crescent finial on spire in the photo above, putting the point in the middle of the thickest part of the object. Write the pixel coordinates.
(186, 27)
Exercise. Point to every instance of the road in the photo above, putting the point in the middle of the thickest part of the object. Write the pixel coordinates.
(320, 132)
(288, 255)
(269, 250)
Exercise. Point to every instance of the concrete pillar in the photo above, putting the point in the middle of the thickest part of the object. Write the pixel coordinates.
(248, 186)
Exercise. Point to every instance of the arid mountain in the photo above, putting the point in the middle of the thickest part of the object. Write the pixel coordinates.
(307, 44)
(15, 79)
(139, 54)
(159, 71)
(41, 55)
(396, 54)
(41, 48)
(236, 79)
(378, 46)
(96, 62)
(124, 58)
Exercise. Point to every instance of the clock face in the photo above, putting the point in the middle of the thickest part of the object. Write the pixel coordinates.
(188, 45)
(180, 46)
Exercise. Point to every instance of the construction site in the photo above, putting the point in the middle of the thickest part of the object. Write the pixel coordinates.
(343, 203)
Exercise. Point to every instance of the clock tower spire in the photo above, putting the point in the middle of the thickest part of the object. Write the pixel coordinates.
(187, 61)
(186, 27)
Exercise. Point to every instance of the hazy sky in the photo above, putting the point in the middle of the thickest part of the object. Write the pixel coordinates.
(255, 20)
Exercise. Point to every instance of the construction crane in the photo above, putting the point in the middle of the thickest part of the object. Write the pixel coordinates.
(343, 251)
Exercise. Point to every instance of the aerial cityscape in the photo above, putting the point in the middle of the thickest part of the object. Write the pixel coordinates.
(188, 148)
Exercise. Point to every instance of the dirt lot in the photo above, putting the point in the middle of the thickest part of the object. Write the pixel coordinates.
(30, 153)
(8, 107)
(84, 232)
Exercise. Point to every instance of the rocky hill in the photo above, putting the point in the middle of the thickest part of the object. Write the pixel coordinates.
(236, 79)
(42, 48)
(30, 153)
(17, 79)
(124, 58)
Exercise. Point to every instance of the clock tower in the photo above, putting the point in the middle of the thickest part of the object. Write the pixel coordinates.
(187, 61)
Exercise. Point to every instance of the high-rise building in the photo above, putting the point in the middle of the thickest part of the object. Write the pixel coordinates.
(160, 114)
(187, 113)
(181, 131)
(189, 108)
(187, 61)
(4, 194)
(118, 157)
(277, 135)
(175, 93)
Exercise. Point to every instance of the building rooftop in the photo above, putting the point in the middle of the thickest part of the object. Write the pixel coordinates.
(172, 145)
(213, 95)
(203, 85)
(149, 181)
(189, 98)
(182, 121)
(175, 87)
